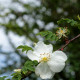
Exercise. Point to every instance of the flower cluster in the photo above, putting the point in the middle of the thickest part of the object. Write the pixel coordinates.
(49, 62)
(61, 32)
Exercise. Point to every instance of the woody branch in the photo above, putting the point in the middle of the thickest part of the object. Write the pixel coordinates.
(69, 41)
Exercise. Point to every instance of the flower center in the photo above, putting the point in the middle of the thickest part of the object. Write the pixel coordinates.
(44, 57)
(61, 31)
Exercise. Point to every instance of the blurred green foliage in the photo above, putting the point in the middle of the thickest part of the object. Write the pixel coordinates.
(48, 35)
(50, 11)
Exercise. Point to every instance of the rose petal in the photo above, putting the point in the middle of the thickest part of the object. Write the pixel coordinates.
(56, 66)
(32, 56)
(42, 48)
(44, 71)
(59, 56)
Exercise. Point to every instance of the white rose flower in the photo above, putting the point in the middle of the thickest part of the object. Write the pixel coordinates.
(49, 62)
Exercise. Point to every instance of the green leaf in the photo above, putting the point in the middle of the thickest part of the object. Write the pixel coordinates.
(35, 62)
(78, 26)
(24, 70)
(16, 76)
(29, 66)
(70, 21)
(78, 17)
(48, 35)
(24, 48)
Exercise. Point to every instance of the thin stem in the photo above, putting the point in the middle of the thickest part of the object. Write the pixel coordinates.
(62, 48)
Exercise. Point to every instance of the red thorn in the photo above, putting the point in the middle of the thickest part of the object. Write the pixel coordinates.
(62, 49)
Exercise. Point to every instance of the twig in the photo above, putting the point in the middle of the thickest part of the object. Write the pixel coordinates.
(62, 48)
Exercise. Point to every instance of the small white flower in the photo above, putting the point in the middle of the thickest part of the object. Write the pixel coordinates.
(49, 62)
(61, 32)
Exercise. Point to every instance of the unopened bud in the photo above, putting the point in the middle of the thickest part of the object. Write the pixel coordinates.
(17, 70)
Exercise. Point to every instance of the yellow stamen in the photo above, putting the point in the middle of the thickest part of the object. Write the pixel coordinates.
(45, 59)
(61, 31)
